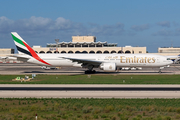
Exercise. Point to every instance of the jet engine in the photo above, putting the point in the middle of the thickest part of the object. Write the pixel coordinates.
(111, 67)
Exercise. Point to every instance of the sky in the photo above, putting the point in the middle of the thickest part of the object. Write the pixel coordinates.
(143, 23)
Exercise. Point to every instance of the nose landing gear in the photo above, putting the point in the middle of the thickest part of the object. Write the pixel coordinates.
(160, 69)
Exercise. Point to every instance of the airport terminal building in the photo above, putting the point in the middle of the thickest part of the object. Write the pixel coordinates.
(87, 44)
(169, 50)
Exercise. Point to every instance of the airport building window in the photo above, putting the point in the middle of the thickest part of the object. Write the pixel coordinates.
(77, 45)
(63, 45)
(99, 45)
(113, 51)
(127, 52)
(70, 45)
(84, 52)
(106, 52)
(77, 52)
(48, 52)
(98, 52)
(84, 45)
(91, 45)
(41, 52)
(12, 51)
(70, 52)
(120, 51)
(56, 51)
(91, 51)
(63, 51)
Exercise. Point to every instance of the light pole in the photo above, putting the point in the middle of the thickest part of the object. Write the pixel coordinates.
(57, 41)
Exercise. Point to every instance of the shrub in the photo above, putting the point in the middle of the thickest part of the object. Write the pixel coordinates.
(170, 109)
(20, 116)
(178, 110)
(86, 117)
(25, 118)
(129, 108)
(108, 108)
(144, 114)
(178, 116)
(64, 117)
(113, 118)
(139, 116)
(74, 108)
(168, 118)
(16, 111)
(123, 117)
(96, 110)
(119, 108)
(87, 110)
(135, 118)
(119, 113)
(95, 117)
(34, 107)
(79, 116)
(103, 116)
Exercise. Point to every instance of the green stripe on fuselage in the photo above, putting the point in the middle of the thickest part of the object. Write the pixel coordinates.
(17, 40)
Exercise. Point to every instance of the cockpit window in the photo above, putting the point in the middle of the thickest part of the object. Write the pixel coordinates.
(168, 59)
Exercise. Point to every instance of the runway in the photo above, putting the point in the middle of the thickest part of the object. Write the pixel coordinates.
(89, 94)
(89, 91)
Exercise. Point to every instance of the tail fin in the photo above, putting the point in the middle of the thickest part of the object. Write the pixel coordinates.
(24, 48)
(21, 45)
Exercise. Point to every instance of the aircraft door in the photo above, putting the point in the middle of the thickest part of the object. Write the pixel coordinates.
(158, 60)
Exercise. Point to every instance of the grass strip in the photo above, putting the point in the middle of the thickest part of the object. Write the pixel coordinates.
(82, 109)
(94, 79)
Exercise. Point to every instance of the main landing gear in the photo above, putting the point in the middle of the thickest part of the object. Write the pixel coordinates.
(90, 70)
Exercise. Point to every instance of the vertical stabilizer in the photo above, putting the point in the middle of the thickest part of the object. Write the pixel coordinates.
(20, 44)
(24, 48)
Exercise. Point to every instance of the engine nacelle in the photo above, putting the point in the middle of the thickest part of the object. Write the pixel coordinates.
(111, 67)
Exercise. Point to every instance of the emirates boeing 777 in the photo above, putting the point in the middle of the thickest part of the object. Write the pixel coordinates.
(106, 62)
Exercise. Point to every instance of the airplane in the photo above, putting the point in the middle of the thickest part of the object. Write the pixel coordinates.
(106, 62)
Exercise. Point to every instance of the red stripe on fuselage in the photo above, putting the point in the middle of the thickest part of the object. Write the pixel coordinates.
(33, 53)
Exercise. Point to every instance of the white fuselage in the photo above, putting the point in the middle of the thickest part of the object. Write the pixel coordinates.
(121, 60)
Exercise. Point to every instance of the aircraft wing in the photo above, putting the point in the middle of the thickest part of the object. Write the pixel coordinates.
(85, 62)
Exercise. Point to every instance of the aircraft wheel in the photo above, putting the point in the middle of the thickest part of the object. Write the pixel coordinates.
(90, 72)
